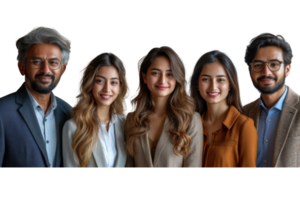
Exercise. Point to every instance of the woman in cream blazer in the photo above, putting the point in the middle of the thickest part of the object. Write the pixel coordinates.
(163, 131)
(98, 158)
(94, 136)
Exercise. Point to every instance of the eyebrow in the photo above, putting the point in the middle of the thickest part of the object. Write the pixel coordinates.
(35, 57)
(160, 70)
(268, 60)
(216, 76)
(105, 78)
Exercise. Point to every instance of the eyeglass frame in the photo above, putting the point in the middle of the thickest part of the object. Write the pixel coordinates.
(268, 64)
(43, 62)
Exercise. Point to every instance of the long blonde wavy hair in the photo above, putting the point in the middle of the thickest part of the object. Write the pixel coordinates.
(180, 106)
(84, 113)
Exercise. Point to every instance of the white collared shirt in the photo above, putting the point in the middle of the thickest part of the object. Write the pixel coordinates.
(108, 141)
(47, 125)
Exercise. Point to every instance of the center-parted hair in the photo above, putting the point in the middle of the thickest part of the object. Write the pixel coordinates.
(233, 97)
(180, 107)
(84, 113)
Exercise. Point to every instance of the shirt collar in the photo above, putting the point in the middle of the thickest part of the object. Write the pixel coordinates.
(53, 103)
(112, 121)
(279, 103)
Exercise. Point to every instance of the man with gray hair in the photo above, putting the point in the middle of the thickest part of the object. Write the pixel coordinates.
(31, 119)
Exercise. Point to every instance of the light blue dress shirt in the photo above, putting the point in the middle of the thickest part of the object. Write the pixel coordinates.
(268, 122)
(47, 125)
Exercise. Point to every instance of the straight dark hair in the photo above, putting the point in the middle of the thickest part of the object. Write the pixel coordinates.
(233, 97)
(265, 40)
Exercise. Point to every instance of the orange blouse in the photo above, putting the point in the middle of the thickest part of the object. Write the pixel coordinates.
(234, 145)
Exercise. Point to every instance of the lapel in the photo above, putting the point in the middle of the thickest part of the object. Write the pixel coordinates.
(120, 144)
(59, 122)
(146, 149)
(164, 137)
(255, 112)
(27, 112)
(99, 154)
(286, 120)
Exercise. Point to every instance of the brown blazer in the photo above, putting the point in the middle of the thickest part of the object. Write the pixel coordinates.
(234, 145)
(286, 152)
(164, 154)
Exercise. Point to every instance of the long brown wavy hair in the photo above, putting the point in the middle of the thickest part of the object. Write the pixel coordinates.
(180, 107)
(233, 97)
(84, 113)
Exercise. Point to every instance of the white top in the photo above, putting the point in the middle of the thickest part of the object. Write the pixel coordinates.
(108, 141)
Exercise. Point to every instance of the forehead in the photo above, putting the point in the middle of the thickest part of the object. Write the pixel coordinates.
(268, 53)
(108, 72)
(44, 51)
(161, 63)
(213, 69)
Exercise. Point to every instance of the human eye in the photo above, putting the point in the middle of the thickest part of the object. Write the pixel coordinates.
(205, 79)
(170, 75)
(257, 65)
(114, 82)
(36, 61)
(99, 81)
(221, 80)
(155, 73)
(53, 62)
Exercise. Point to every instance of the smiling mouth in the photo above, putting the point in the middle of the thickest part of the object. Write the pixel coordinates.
(105, 97)
(161, 87)
(266, 81)
(213, 94)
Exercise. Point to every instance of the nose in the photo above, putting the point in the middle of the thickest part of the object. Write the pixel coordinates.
(162, 78)
(213, 85)
(45, 68)
(106, 86)
(266, 71)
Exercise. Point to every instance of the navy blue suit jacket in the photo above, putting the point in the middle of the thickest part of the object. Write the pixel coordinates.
(21, 140)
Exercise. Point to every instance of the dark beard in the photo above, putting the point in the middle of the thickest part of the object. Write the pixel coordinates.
(277, 86)
(40, 89)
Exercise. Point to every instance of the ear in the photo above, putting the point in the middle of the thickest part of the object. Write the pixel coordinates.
(64, 67)
(145, 78)
(249, 72)
(21, 67)
(287, 70)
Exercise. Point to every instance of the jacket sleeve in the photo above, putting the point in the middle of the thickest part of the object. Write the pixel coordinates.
(70, 158)
(2, 142)
(194, 157)
(248, 142)
(129, 159)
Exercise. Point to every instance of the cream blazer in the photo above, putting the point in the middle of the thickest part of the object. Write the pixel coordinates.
(97, 159)
(286, 151)
(164, 154)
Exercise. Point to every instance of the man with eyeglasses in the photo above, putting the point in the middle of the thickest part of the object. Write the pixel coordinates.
(31, 119)
(275, 113)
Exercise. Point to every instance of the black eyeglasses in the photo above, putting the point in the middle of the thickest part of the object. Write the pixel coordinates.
(273, 66)
(54, 63)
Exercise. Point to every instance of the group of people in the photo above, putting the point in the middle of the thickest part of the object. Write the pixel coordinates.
(168, 127)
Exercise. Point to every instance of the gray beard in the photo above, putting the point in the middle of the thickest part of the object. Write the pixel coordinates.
(38, 88)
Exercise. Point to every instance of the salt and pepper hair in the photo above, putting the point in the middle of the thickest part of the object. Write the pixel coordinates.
(43, 35)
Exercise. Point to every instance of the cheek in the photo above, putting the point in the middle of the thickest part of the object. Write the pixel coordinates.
(96, 89)
(116, 90)
(151, 79)
(202, 87)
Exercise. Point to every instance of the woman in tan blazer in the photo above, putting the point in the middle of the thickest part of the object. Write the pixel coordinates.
(230, 138)
(163, 131)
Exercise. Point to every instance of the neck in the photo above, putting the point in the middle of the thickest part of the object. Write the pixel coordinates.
(271, 99)
(216, 112)
(103, 113)
(160, 105)
(42, 99)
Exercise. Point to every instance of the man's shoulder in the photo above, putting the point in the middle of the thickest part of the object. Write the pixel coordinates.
(250, 106)
(64, 106)
(8, 101)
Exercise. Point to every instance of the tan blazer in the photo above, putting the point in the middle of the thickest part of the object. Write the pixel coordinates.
(286, 151)
(164, 154)
(70, 159)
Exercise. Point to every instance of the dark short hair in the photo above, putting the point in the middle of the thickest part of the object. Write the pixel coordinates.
(233, 97)
(265, 40)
